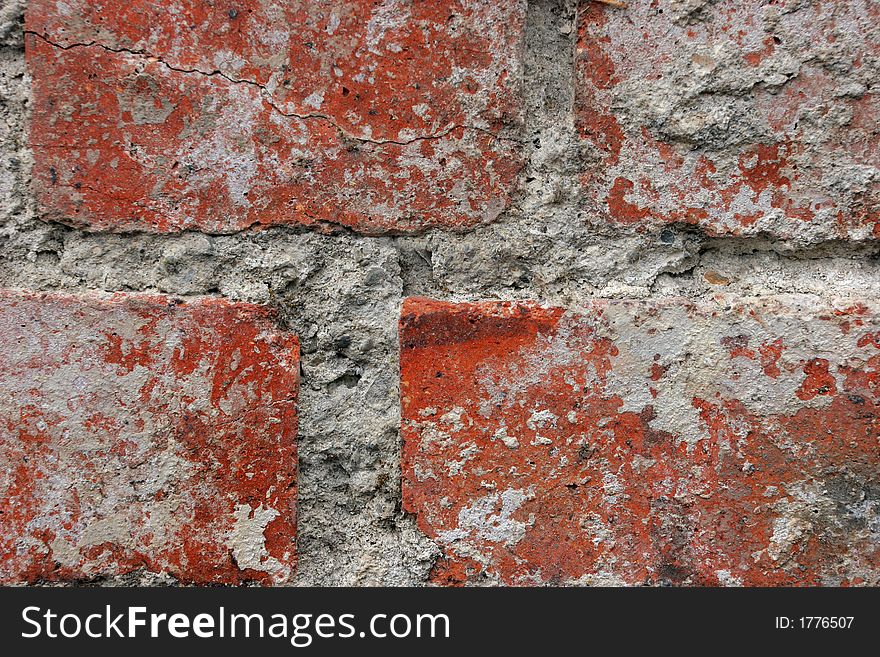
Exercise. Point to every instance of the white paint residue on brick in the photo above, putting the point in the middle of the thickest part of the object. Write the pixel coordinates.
(247, 540)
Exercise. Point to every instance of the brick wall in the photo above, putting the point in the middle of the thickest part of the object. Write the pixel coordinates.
(451, 292)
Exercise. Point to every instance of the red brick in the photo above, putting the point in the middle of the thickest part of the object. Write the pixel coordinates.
(733, 442)
(380, 117)
(789, 84)
(143, 432)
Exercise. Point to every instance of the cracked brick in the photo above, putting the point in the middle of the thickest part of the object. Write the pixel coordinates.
(144, 433)
(188, 115)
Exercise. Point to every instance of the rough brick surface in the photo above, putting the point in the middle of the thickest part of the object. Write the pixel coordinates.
(732, 442)
(218, 116)
(740, 117)
(132, 132)
(140, 432)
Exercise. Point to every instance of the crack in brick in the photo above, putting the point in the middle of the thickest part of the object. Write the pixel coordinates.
(267, 96)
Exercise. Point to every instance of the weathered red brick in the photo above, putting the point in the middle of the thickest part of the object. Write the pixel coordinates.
(732, 442)
(739, 117)
(143, 432)
(222, 115)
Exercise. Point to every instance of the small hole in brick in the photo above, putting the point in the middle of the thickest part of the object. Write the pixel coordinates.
(667, 236)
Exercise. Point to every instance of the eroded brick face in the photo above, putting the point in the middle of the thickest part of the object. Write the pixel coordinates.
(733, 442)
(388, 116)
(143, 433)
(739, 117)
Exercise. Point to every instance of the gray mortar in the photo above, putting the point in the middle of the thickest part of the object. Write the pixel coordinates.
(341, 294)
